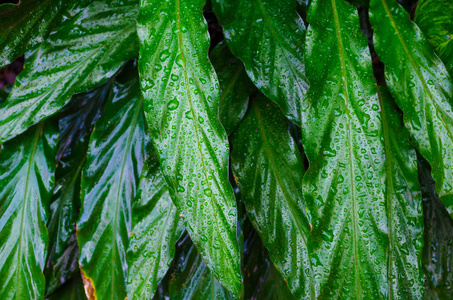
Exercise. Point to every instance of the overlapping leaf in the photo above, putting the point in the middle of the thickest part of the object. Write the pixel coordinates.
(268, 36)
(435, 19)
(355, 186)
(110, 179)
(156, 227)
(190, 278)
(181, 105)
(269, 170)
(27, 169)
(76, 122)
(71, 290)
(235, 87)
(82, 53)
(421, 87)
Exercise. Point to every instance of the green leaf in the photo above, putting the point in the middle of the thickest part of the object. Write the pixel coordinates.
(181, 105)
(421, 87)
(76, 123)
(437, 258)
(156, 227)
(235, 87)
(435, 19)
(268, 36)
(71, 290)
(189, 277)
(110, 179)
(359, 193)
(27, 168)
(269, 170)
(78, 56)
(261, 278)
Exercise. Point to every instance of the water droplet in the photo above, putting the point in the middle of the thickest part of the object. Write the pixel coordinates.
(164, 55)
(208, 192)
(173, 104)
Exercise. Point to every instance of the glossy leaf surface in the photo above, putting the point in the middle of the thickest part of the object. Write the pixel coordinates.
(181, 105)
(235, 87)
(75, 124)
(110, 179)
(79, 55)
(421, 87)
(156, 227)
(190, 278)
(268, 36)
(269, 170)
(435, 19)
(27, 169)
(352, 190)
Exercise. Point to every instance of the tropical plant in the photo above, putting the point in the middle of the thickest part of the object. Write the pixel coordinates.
(300, 150)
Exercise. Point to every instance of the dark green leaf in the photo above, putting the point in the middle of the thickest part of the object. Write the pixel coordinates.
(76, 122)
(360, 194)
(437, 252)
(27, 169)
(435, 19)
(235, 87)
(71, 290)
(268, 36)
(110, 180)
(269, 170)
(190, 278)
(79, 55)
(156, 227)
(181, 106)
(421, 87)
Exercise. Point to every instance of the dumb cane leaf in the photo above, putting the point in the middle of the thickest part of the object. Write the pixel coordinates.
(355, 186)
(27, 169)
(189, 277)
(421, 87)
(76, 123)
(110, 179)
(79, 55)
(268, 37)
(269, 170)
(435, 19)
(156, 227)
(181, 106)
(235, 87)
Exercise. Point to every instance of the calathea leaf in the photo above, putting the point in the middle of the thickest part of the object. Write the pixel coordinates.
(79, 55)
(235, 87)
(181, 105)
(27, 169)
(76, 123)
(435, 19)
(156, 227)
(437, 258)
(271, 47)
(189, 277)
(109, 182)
(269, 170)
(421, 87)
(354, 187)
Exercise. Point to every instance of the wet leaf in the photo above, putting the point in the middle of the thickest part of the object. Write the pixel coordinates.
(181, 95)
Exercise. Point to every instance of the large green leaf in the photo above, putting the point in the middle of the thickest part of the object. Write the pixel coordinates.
(181, 105)
(27, 168)
(76, 123)
(269, 170)
(110, 179)
(421, 87)
(156, 227)
(435, 19)
(235, 87)
(359, 192)
(268, 36)
(190, 278)
(437, 258)
(82, 53)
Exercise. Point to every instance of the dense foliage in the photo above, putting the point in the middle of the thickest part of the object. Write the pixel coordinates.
(252, 149)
